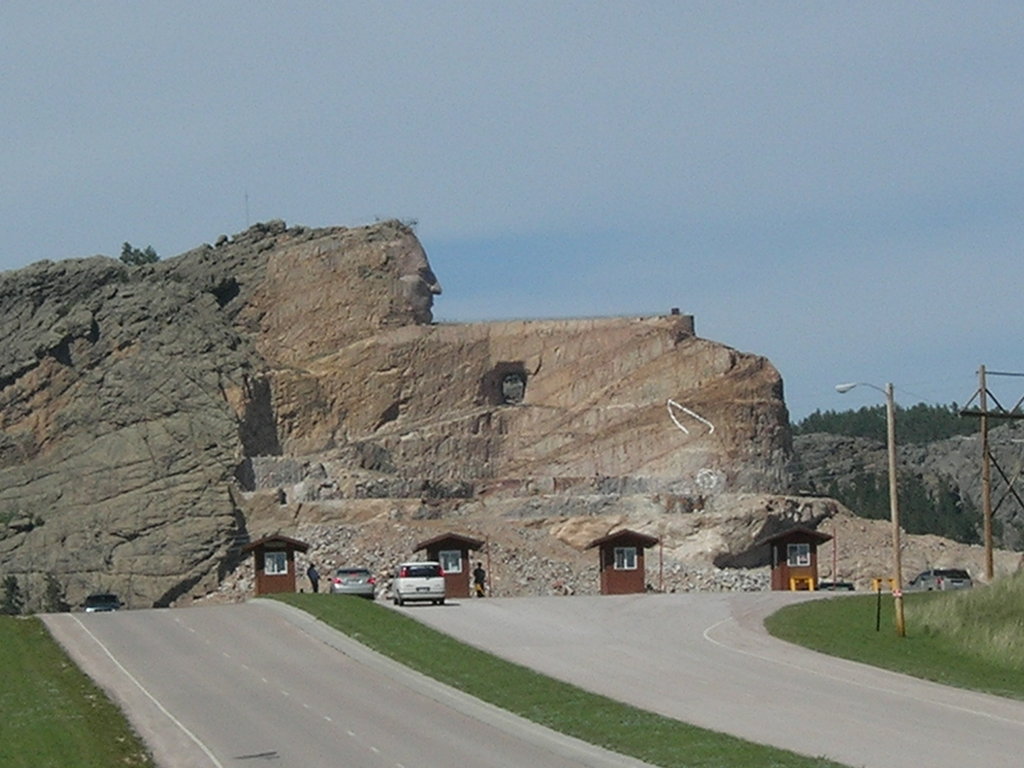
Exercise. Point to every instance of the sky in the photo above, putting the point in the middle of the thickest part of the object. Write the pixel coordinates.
(838, 187)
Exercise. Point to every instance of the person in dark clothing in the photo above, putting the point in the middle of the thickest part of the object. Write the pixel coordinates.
(479, 579)
(314, 577)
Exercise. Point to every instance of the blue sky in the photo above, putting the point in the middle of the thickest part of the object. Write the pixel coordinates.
(836, 186)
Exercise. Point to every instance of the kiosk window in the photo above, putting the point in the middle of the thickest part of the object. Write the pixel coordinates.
(625, 558)
(451, 560)
(275, 563)
(798, 554)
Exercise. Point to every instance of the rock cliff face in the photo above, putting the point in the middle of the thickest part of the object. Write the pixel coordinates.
(516, 402)
(155, 417)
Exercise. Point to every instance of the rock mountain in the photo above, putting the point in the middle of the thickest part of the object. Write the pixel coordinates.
(157, 417)
(952, 466)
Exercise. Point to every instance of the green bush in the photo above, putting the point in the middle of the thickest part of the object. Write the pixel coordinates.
(54, 596)
(13, 601)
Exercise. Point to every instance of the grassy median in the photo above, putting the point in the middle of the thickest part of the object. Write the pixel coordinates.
(562, 707)
(969, 638)
(51, 713)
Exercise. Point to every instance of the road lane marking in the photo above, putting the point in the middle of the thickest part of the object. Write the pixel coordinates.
(854, 681)
(151, 697)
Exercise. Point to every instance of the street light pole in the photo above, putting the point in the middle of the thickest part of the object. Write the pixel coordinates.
(894, 509)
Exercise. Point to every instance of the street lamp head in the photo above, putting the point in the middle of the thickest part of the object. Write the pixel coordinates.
(844, 388)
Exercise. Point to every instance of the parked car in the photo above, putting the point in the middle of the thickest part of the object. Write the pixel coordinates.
(836, 586)
(422, 581)
(354, 581)
(101, 602)
(941, 578)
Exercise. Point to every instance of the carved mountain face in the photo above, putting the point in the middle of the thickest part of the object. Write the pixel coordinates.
(417, 283)
(137, 404)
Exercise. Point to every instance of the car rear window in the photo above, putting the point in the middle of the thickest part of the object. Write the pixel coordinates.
(93, 600)
(953, 573)
(424, 571)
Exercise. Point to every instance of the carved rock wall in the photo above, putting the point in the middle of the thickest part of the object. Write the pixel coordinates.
(427, 402)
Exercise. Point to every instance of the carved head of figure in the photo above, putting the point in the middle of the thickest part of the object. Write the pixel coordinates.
(417, 284)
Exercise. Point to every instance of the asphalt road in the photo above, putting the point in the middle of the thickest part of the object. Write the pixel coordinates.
(261, 683)
(705, 658)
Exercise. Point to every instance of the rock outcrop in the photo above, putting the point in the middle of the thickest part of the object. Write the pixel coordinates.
(155, 417)
(829, 464)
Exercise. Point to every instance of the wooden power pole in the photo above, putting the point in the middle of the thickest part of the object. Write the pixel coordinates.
(986, 476)
(984, 413)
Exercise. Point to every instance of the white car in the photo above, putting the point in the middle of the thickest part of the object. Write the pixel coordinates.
(422, 581)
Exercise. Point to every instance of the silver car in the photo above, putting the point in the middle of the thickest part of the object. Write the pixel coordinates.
(942, 578)
(354, 581)
(422, 581)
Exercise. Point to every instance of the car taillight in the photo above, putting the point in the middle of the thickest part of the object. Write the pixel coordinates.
(371, 580)
(403, 573)
(337, 580)
(938, 582)
(440, 571)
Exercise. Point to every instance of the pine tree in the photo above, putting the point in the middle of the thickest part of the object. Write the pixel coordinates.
(54, 597)
(13, 601)
(136, 256)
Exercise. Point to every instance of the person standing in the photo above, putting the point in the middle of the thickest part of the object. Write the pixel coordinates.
(479, 579)
(314, 577)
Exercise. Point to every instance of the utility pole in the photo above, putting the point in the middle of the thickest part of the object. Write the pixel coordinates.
(983, 412)
(986, 476)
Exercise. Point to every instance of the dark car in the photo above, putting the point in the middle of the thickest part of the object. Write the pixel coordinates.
(836, 586)
(101, 602)
(941, 578)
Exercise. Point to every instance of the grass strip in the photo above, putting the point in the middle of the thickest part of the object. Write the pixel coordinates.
(986, 623)
(933, 649)
(51, 714)
(562, 707)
